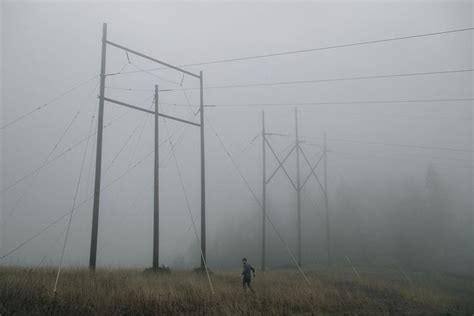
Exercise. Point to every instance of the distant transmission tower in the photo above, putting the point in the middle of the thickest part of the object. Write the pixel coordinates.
(297, 186)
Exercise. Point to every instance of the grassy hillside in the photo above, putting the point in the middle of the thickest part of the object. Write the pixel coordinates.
(336, 291)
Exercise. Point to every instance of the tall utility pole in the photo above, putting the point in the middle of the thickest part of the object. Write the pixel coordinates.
(156, 191)
(326, 203)
(203, 177)
(98, 164)
(264, 191)
(102, 99)
(298, 189)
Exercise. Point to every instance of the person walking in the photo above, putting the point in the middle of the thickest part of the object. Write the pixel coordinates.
(247, 274)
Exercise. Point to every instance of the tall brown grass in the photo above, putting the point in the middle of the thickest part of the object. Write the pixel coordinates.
(335, 291)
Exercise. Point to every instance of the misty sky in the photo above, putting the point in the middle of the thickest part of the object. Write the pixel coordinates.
(50, 47)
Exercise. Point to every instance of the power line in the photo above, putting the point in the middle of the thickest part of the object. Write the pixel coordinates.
(189, 210)
(150, 74)
(398, 157)
(379, 143)
(377, 116)
(297, 82)
(91, 163)
(26, 176)
(67, 213)
(54, 242)
(47, 163)
(421, 158)
(446, 159)
(145, 121)
(395, 144)
(121, 68)
(136, 90)
(44, 163)
(128, 140)
(248, 145)
(278, 83)
(335, 102)
(181, 131)
(61, 137)
(259, 84)
(48, 103)
(102, 189)
(133, 166)
(72, 208)
(247, 184)
(219, 61)
(163, 164)
(33, 236)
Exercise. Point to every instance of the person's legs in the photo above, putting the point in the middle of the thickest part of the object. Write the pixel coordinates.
(246, 283)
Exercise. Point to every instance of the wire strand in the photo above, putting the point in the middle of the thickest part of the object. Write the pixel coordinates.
(72, 208)
(61, 137)
(163, 165)
(48, 103)
(394, 144)
(102, 189)
(282, 240)
(127, 141)
(298, 82)
(153, 75)
(292, 104)
(54, 222)
(26, 176)
(390, 39)
(189, 212)
(35, 174)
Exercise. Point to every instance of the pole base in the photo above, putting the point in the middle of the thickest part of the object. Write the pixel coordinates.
(161, 270)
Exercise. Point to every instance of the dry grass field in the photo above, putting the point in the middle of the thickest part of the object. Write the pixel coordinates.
(337, 291)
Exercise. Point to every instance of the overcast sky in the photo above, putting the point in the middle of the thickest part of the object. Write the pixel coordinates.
(50, 47)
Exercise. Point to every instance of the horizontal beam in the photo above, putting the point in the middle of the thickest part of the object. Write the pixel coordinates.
(178, 119)
(152, 59)
(150, 112)
(128, 105)
(194, 105)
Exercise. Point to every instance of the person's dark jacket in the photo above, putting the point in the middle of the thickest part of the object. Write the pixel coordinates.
(247, 271)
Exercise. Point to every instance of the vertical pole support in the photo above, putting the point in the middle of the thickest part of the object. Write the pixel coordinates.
(98, 160)
(326, 203)
(203, 174)
(264, 192)
(156, 191)
(298, 189)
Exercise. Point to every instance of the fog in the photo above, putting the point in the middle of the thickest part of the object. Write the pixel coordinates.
(399, 174)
